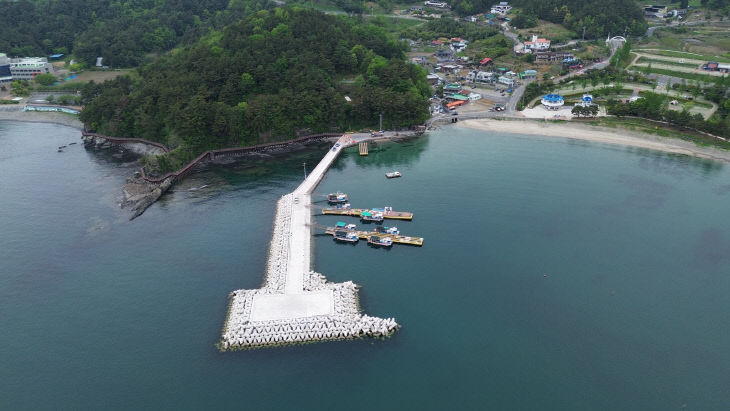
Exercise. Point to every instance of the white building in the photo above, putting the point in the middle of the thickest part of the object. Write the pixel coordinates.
(437, 4)
(537, 44)
(506, 81)
(475, 76)
(26, 68)
(502, 8)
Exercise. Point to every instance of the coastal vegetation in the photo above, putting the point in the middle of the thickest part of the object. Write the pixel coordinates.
(124, 32)
(277, 74)
(655, 106)
(598, 17)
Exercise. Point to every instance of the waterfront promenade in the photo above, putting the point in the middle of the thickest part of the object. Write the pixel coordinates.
(295, 304)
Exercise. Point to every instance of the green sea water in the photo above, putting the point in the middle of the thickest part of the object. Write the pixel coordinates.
(555, 274)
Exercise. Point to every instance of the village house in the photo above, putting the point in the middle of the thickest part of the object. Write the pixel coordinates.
(485, 77)
(656, 11)
(546, 57)
(537, 44)
(436, 4)
(444, 55)
(502, 8)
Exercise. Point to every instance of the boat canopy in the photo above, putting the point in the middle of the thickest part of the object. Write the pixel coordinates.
(340, 224)
(366, 214)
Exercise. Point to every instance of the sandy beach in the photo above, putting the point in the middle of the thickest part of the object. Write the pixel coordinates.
(599, 135)
(39, 117)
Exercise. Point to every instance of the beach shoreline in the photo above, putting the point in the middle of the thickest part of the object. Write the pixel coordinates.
(596, 134)
(62, 119)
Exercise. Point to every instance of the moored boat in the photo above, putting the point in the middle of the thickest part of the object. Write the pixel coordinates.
(336, 198)
(393, 174)
(348, 236)
(371, 215)
(380, 241)
(387, 230)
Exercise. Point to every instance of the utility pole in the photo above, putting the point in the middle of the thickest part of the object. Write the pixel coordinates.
(305, 170)
(584, 32)
(381, 122)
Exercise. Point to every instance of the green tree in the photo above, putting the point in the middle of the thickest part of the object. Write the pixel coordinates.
(46, 79)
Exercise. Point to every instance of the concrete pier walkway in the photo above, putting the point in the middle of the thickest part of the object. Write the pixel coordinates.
(296, 304)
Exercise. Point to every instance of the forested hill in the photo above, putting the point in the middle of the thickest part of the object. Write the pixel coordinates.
(599, 17)
(121, 31)
(263, 79)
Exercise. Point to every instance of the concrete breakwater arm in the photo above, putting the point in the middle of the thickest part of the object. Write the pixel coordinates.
(295, 304)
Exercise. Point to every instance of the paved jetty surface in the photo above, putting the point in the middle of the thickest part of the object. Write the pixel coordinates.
(296, 304)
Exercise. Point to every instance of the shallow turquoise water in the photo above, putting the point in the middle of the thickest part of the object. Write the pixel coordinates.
(555, 275)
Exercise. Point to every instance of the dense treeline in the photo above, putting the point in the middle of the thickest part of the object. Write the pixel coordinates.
(599, 17)
(278, 72)
(121, 31)
(450, 28)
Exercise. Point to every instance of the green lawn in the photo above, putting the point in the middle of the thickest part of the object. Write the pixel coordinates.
(689, 76)
(684, 54)
(665, 62)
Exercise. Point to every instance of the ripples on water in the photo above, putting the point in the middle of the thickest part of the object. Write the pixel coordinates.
(554, 275)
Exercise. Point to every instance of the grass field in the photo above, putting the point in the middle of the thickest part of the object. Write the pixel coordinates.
(689, 76)
(646, 60)
(98, 76)
(684, 54)
(555, 32)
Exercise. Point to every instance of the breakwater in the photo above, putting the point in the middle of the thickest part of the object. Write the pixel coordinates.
(296, 304)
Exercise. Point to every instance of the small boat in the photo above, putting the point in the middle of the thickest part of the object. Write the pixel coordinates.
(345, 206)
(348, 236)
(393, 174)
(337, 197)
(371, 216)
(198, 188)
(342, 226)
(380, 241)
(387, 230)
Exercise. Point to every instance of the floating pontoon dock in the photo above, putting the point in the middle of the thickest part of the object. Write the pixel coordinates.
(397, 238)
(356, 212)
(363, 148)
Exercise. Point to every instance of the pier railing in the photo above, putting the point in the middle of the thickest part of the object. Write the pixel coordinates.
(209, 155)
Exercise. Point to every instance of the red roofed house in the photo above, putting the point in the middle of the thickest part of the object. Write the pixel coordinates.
(486, 61)
(537, 44)
(437, 43)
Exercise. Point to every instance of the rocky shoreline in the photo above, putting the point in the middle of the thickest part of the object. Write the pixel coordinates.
(139, 193)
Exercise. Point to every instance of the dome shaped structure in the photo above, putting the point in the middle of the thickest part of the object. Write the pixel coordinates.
(552, 101)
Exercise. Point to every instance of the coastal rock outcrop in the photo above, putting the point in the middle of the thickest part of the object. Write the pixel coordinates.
(140, 194)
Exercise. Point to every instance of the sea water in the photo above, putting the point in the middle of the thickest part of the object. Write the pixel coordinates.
(555, 274)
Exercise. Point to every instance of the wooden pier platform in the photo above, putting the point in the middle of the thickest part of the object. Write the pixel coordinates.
(397, 238)
(355, 212)
(363, 148)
